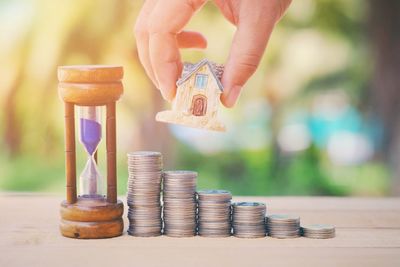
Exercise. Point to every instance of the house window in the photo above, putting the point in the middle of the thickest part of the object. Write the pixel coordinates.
(201, 81)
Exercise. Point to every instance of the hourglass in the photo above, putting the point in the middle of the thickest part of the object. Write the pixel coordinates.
(91, 214)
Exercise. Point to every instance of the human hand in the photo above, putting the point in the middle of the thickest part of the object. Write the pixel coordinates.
(159, 35)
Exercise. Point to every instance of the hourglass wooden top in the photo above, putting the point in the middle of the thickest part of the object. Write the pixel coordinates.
(90, 73)
(90, 85)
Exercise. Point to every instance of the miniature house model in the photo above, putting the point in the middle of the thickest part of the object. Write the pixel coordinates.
(197, 97)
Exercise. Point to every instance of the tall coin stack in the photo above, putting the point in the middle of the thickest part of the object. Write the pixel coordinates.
(248, 219)
(283, 226)
(214, 213)
(179, 198)
(143, 196)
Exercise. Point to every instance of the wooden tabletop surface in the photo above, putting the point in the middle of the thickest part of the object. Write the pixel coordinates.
(367, 229)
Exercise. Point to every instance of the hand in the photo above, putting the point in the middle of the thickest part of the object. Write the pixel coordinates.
(159, 35)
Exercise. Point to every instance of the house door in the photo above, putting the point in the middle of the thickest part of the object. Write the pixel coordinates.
(199, 105)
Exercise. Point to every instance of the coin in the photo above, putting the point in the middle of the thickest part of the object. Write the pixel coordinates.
(214, 213)
(143, 193)
(283, 225)
(248, 219)
(318, 231)
(179, 203)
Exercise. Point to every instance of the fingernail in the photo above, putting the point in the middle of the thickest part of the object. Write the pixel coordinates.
(164, 95)
(233, 94)
(167, 94)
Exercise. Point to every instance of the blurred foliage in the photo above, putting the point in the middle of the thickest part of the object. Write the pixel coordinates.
(319, 45)
(261, 173)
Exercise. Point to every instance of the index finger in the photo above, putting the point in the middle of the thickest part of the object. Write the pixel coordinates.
(167, 20)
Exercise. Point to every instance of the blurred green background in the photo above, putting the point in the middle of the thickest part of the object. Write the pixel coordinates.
(319, 117)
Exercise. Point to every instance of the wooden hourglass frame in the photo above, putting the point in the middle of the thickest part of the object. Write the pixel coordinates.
(88, 86)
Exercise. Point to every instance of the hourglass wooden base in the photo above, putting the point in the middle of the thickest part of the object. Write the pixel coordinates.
(91, 218)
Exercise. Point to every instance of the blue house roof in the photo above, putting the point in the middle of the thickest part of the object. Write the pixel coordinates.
(189, 69)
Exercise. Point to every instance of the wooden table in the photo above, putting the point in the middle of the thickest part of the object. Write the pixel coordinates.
(368, 234)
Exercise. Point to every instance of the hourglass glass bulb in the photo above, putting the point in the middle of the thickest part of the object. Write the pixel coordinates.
(90, 136)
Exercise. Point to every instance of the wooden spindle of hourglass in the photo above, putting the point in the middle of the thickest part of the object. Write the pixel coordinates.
(97, 85)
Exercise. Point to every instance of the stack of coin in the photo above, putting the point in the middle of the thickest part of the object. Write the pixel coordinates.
(248, 219)
(319, 231)
(180, 207)
(214, 213)
(283, 226)
(143, 196)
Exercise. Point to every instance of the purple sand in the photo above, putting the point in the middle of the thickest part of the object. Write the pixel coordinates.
(90, 135)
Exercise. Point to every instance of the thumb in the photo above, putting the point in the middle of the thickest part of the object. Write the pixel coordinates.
(248, 46)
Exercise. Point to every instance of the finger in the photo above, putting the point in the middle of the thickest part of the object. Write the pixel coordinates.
(142, 38)
(229, 9)
(166, 21)
(248, 46)
(188, 39)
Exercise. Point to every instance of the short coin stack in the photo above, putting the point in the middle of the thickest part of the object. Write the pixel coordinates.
(143, 196)
(214, 213)
(283, 226)
(180, 207)
(248, 219)
(319, 231)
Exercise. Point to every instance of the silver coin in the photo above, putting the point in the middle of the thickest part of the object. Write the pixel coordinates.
(142, 154)
(248, 219)
(318, 231)
(283, 218)
(248, 204)
(283, 226)
(214, 213)
(144, 193)
(179, 203)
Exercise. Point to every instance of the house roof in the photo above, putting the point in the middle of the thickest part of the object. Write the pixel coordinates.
(189, 68)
